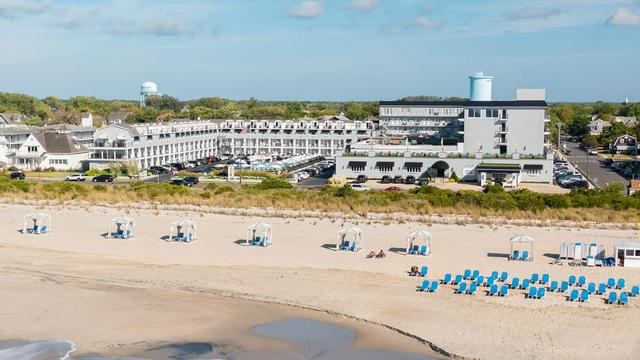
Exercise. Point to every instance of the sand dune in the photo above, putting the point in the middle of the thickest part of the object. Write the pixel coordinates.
(300, 269)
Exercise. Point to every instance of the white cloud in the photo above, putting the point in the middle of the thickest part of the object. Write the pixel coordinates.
(363, 5)
(425, 22)
(10, 8)
(158, 27)
(307, 9)
(623, 17)
(528, 13)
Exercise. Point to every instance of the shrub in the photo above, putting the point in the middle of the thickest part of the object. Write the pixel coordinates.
(100, 188)
(210, 186)
(96, 172)
(454, 177)
(345, 191)
(205, 195)
(224, 189)
(273, 183)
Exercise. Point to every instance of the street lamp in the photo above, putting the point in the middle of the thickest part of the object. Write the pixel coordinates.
(559, 124)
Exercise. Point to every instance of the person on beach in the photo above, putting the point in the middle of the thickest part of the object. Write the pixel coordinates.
(371, 255)
(381, 254)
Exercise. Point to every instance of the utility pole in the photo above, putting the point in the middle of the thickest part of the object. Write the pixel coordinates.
(559, 124)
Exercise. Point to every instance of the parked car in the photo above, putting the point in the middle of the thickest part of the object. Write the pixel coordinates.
(192, 179)
(423, 182)
(410, 179)
(181, 182)
(103, 178)
(580, 184)
(567, 151)
(607, 161)
(569, 179)
(398, 179)
(393, 188)
(17, 175)
(386, 179)
(361, 179)
(593, 151)
(75, 177)
(359, 187)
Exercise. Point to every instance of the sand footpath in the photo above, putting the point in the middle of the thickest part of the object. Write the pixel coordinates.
(301, 269)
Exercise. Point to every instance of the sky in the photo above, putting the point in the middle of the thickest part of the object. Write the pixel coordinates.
(332, 50)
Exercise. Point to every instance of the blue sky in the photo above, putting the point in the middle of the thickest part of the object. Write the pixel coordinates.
(579, 50)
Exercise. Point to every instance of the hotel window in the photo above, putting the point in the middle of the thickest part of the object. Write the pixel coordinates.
(413, 167)
(532, 170)
(474, 113)
(492, 113)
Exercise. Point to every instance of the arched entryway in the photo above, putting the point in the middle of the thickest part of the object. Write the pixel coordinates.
(440, 168)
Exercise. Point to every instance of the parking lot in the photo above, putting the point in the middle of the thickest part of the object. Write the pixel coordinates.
(594, 167)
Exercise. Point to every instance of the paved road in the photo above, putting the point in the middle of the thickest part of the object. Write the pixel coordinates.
(599, 174)
(317, 181)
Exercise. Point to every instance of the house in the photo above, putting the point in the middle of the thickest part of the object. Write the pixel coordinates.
(625, 144)
(629, 121)
(11, 118)
(118, 117)
(49, 149)
(596, 126)
(86, 120)
(633, 187)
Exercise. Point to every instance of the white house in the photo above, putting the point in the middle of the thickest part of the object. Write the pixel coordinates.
(624, 144)
(596, 126)
(629, 121)
(58, 150)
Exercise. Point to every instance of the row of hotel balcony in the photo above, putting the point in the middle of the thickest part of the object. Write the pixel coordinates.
(450, 155)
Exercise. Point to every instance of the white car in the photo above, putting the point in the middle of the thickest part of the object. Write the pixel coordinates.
(359, 187)
(75, 177)
(593, 151)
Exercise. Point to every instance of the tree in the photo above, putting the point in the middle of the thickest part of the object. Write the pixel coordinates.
(164, 102)
(590, 141)
(294, 110)
(578, 126)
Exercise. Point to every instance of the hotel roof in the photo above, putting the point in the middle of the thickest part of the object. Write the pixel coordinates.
(467, 103)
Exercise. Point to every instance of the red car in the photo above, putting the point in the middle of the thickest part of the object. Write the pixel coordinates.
(393, 188)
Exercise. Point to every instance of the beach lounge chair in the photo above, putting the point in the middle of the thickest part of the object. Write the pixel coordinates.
(446, 279)
(620, 284)
(472, 289)
(584, 295)
(345, 245)
(504, 276)
(490, 281)
(480, 280)
(611, 283)
(533, 292)
(457, 280)
(462, 288)
(424, 286)
(466, 274)
(119, 234)
(504, 290)
(423, 250)
(623, 299)
(475, 274)
(434, 287)
(44, 229)
(525, 284)
(515, 283)
(613, 297)
(572, 280)
(535, 278)
(581, 281)
(602, 288)
(493, 290)
(544, 279)
(553, 287)
(494, 274)
(541, 293)
(180, 236)
(35, 229)
(635, 291)
(574, 295)
(564, 286)
(516, 255)
(525, 256)
(424, 271)
(354, 245)
(414, 250)
(591, 288)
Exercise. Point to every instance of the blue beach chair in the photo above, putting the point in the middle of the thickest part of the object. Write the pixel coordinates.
(584, 295)
(613, 297)
(591, 288)
(466, 274)
(44, 229)
(581, 281)
(525, 284)
(494, 274)
(434, 287)
(635, 291)
(457, 280)
(414, 250)
(620, 284)
(424, 271)
(504, 276)
(490, 281)
(572, 280)
(424, 286)
(475, 274)
(553, 287)
(535, 278)
(423, 250)
(462, 288)
(624, 298)
(533, 292)
(602, 288)
(525, 256)
(611, 283)
(574, 295)
(480, 280)
(472, 289)
(564, 286)
(447, 279)
(516, 255)
(515, 283)
(504, 290)
(345, 245)
(545, 279)
(541, 293)
(493, 290)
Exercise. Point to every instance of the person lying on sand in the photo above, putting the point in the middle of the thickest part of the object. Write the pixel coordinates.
(413, 271)
(381, 254)
(371, 254)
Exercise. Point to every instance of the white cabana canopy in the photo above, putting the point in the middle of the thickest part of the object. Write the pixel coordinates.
(182, 230)
(349, 238)
(259, 234)
(521, 239)
(420, 238)
(121, 227)
(37, 223)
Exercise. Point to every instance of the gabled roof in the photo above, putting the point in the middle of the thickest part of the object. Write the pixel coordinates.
(118, 116)
(59, 143)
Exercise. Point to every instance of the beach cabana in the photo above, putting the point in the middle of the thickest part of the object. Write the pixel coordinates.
(517, 243)
(182, 230)
(627, 254)
(259, 234)
(419, 243)
(37, 223)
(349, 238)
(121, 227)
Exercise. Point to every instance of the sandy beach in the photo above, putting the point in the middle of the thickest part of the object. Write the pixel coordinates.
(112, 296)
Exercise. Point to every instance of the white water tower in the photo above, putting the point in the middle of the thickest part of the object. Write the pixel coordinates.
(148, 89)
(480, 87)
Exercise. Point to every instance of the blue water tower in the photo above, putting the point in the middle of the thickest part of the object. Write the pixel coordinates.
(480, 88)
